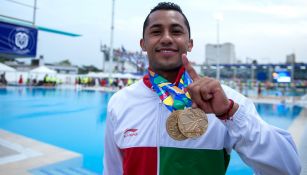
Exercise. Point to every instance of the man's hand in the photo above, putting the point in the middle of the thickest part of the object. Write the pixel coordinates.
(207, 93)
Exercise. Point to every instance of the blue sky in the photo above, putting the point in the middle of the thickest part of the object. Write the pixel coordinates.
(266, 30)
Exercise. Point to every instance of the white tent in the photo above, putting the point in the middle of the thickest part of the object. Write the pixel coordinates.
(43, 70)
(5, 68)
(125, 75)
(113, 75)
(98, 74)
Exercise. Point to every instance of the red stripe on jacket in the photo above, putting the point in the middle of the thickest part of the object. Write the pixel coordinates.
(140, 161)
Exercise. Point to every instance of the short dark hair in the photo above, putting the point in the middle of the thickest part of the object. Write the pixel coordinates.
(167, 6)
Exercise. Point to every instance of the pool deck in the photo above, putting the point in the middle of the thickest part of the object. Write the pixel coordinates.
(299, 132)
(19, 154)
(298, 128)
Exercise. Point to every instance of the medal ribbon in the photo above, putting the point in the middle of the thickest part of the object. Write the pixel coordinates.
(173, 97)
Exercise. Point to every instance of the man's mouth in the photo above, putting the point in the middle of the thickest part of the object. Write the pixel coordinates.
(167, 52)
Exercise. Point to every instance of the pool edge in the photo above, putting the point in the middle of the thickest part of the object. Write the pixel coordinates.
(29, 154)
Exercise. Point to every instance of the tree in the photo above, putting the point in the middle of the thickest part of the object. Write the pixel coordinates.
(3, 59)
(87, 69)
(65, 63)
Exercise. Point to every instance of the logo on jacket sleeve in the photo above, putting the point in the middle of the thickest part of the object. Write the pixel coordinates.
(130, 132)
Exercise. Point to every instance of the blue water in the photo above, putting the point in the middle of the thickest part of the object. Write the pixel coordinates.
(279, 115)
(75, 120)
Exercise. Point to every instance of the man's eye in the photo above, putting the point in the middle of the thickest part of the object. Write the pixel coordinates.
(177, 31)
(155, 32)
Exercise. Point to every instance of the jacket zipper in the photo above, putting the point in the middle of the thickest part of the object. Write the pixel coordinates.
(158, 137)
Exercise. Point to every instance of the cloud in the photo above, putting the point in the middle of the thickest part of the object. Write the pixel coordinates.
(274, 29)
(262, 28)
(289, 10)
(280, 11)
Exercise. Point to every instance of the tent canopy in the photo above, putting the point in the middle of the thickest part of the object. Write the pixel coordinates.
(43, 69)
(98, 74)
(113, 75)
(6, 68)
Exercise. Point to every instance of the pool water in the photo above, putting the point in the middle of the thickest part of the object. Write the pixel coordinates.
(279, 115)
(75, 120)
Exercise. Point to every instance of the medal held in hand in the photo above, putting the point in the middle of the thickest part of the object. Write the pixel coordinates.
(172, 126)
(181, 124)
(192, 123)
(187, 123)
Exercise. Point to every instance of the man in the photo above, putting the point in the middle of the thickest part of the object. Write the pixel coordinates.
(146, 132)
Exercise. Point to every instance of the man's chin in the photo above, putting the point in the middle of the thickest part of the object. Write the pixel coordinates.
(169, 68)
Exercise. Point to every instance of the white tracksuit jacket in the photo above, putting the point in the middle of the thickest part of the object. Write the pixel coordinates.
(137, 143)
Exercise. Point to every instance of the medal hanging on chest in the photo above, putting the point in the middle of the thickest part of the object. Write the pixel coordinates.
(184, 122)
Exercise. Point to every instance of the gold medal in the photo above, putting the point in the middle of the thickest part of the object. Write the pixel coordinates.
(172, 126)
(192, 122)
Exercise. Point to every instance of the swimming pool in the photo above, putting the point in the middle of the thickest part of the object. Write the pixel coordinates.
(75, 120)
(279, 115)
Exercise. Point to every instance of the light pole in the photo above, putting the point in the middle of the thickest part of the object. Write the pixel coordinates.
(253, 67)
(34, 12)
(105, 55)
(218, 17)
(111, 39)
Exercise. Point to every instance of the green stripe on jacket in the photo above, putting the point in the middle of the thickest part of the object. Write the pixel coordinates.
(183, 161)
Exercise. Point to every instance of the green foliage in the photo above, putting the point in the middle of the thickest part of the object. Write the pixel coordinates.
(65, 63)
(2, 60)
(86, 69)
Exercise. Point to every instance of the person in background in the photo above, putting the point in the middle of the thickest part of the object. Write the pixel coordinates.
(45, 80)
(20, 81)
(259, 90)
(174, 122)
(120, 83)
(3, 80)
(129, 81)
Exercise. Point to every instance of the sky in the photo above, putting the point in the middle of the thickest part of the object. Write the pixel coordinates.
(265, 30)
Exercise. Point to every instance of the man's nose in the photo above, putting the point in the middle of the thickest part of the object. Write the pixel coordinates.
(166, 38)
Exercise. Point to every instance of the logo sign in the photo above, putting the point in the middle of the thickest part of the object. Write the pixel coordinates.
(22, 40)
(17, 40)
(130, 132)
(282, 76)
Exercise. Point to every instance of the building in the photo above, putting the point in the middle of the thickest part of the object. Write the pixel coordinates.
(26, 67)
(225, 52)
(63, 69)
(260, 72)
(290, 58)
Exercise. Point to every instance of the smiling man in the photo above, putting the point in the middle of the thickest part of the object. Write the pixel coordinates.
(166, 37)
(175, 122)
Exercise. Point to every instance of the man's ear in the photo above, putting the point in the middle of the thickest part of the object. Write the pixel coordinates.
(190, 45)
(142, 44)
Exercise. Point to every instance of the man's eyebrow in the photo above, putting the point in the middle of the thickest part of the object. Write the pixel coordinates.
(160, 25)
(155, 26)
(177, 25)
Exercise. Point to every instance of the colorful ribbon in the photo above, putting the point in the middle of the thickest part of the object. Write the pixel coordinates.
(173, 97)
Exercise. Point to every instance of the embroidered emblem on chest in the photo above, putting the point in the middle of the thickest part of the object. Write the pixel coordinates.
(131, 132)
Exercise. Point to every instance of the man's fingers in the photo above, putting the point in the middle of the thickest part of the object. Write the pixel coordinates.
(188, 67)
(194, 105)
(205, 90)
(194, 92)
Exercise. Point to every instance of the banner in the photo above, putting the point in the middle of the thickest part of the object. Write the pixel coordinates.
(17, 40)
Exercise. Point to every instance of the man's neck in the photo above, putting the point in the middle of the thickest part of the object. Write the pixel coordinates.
(168, 75)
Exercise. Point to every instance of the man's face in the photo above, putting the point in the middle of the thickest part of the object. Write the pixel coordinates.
(166, 38)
